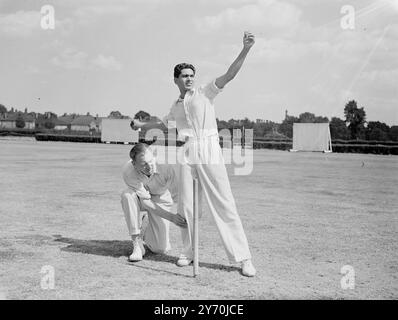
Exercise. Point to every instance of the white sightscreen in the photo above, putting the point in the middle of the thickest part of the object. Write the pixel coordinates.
(118, 130)
(311, 137)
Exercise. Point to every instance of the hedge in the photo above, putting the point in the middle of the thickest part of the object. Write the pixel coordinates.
(340, 146)
(364, 142)
(67, 138)
(374, 149)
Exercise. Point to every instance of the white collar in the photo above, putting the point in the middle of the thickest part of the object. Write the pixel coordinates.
(191, 92)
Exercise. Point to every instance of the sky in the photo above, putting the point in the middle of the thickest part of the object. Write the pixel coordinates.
(309, 56)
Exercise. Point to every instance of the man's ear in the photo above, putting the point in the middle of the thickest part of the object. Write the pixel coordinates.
(175, 80)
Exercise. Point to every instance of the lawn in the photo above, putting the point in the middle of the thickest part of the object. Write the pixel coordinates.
(306, 215)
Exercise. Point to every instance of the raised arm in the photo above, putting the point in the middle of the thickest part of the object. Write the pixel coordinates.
(248, 42)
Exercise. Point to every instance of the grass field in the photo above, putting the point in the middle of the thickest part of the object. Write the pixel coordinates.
(306, 216)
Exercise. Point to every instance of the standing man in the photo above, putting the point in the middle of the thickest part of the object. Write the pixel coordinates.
(152, 188)
(193, 113)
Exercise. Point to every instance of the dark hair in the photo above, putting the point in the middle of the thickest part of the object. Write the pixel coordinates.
(138, 149)
(181, 66)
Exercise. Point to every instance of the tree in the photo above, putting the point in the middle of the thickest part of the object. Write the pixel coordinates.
(356, 118)
(247, 123)
(3, 109)
(378, 135)
(286, 126)
(338, 129)
(221, 124)
(261, 129)
(235, 124)
(232, 123)
(49, 124)
(142, 116)
(20, 122)
(378, 131)
(307, 117)
(115, 115)
(321, 119)
(50, 115)
(394, 133)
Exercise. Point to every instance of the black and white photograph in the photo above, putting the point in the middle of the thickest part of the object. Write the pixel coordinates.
(198, 150)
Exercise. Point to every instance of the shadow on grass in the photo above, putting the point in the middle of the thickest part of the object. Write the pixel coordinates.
(110, 248)
(117, 249)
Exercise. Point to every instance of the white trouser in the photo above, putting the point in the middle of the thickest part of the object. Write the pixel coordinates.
(207, 165)
(156, 235)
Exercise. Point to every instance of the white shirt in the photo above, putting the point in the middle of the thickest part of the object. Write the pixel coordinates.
(195, 115)
(162, 180)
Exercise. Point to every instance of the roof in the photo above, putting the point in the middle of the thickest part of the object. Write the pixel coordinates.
(83, 121)
(15, 115)
(64, 120)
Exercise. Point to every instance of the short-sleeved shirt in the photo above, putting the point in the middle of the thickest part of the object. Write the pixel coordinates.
(161, 181)
(194, 116)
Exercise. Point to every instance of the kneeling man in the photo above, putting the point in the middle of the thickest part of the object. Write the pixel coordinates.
(153, 188)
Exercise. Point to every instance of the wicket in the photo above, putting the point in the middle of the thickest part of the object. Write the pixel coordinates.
(195, 228)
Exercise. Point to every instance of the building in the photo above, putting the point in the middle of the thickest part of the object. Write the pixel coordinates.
(9, 120)
(84, 123)
(46, 120)
(64, 122)
(98, 122)
(30, 121)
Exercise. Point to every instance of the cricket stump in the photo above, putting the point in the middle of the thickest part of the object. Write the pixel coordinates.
(195, 228)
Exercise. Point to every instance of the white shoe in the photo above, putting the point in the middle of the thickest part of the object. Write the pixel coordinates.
(137, 252)
(248, 269)
(141, 244)
(184, 261)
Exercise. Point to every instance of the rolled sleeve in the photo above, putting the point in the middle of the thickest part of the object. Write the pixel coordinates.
(211, 90)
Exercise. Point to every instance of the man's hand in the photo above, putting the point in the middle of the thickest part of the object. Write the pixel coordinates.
(136, 124)
(179, 221)
(248, 40)
(133, 125)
